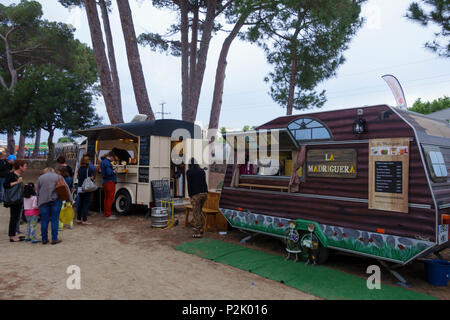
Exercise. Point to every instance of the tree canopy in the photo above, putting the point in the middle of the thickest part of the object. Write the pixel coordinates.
(50, 99)
(435, 12)
(430, 107)
(304, 41)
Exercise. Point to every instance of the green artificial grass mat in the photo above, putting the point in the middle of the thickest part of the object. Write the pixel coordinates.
(319, 281)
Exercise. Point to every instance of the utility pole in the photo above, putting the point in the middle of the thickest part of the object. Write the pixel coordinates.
(162, 110)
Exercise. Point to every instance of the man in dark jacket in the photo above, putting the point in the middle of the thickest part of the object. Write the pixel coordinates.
(5, 168)
(198, 192)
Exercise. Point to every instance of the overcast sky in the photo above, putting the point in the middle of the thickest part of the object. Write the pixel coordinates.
(388, 43)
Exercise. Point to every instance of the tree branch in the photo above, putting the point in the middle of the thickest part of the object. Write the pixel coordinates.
(3, 83)
(224, 7)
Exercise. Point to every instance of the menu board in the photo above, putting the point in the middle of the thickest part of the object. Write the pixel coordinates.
(161, 190)
(389, 174)
(144, 174)
(144, 151)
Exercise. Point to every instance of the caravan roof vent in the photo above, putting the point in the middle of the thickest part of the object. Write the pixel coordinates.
(139, 118)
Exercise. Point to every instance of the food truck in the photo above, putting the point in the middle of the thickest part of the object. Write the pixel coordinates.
(144, 153)
(372, 181)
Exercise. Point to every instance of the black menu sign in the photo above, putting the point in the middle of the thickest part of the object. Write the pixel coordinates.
(144, 151)
(389, 176)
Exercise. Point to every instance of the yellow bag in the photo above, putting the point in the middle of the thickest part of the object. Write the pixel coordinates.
(66, 215)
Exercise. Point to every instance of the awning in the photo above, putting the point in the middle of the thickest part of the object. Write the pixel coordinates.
(106, 133)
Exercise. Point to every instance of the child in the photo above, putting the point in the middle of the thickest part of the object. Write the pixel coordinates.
(30, 205)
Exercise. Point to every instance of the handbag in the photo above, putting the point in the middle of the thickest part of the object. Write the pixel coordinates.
(66, 214)
(62, 189)
(13, 195)
(88, 185)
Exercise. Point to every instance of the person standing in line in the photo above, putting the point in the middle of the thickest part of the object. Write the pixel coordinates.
(5, 168)
(13, 178)
(31, 208)
(198, 192)
(62, 163)
(49, 204)
(84, 198)
(65, 173)
(109, 183)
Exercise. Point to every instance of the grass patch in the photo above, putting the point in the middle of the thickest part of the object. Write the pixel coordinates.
(319, 281)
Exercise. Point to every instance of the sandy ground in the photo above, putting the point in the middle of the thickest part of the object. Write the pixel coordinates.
(124, 259)
(127, 259)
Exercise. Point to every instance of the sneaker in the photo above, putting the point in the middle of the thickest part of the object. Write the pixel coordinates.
(56, 241)
(44, 241)
(111, 217)
(27, 240)
(36, 241)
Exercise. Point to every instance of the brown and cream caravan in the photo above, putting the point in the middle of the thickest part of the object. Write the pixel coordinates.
(371, 181)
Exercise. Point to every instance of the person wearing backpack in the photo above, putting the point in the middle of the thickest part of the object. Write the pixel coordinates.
(5, 168)
(84, 196)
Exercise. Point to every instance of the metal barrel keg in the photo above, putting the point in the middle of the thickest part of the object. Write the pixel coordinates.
(160, 217)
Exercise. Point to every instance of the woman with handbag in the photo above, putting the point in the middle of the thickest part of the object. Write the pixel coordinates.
(85, 181)
(13, 197)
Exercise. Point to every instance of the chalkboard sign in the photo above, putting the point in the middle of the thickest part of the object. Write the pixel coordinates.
(144, 175)
(161, 191)
(389, 176)
(144, 151)
(91, 148)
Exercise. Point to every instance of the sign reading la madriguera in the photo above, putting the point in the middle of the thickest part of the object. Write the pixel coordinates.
(333, 163)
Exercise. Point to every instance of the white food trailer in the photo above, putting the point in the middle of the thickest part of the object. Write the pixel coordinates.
(147, 151)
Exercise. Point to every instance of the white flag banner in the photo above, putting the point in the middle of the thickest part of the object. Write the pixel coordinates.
(396, 89)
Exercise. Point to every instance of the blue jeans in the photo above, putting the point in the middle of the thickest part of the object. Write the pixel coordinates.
(83, 205)
(50, 212)
(2, 180)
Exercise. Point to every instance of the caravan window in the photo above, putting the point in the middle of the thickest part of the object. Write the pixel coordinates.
(307, 129)
(436, 165)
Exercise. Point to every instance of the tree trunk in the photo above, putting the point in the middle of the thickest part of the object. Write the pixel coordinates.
(207, 28)
(134, 60)
(51, 146)
(111, 55)
(21, 150)
(185, 86)
(290, 105)
(11, 149)
(114, 114)
(193, 50)
(37, 143)
(220, 74)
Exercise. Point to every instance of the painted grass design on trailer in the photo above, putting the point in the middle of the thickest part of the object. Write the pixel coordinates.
(375, 244)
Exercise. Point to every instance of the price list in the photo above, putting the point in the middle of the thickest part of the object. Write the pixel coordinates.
(389, 176)
(144, 152)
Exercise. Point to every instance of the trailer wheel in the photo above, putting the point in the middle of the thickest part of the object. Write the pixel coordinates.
(122, 202)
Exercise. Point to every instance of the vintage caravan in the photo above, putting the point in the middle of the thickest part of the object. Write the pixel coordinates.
(145, 151)
(371, 181)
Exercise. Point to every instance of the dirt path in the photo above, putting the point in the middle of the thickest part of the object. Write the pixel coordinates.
(124, 259)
